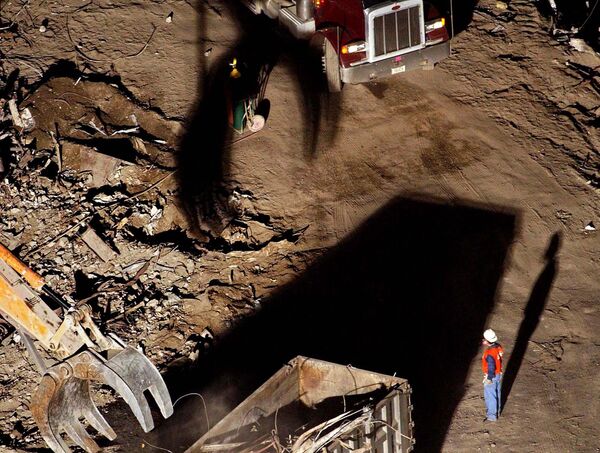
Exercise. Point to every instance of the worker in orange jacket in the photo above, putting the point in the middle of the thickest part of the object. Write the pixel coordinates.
(491, 365)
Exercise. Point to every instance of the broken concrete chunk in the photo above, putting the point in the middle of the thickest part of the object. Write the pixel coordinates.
(98, 246)
(181, 271)
(23, 120)
(195, 306)
(27, 120)
(11, 241)
(138, 145)
(101, 167)
(132, 268)
(14, 113)
(259, 232)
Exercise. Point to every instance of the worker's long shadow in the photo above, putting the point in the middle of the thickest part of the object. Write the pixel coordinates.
(203, 157)
(408, 292)
(533, 311)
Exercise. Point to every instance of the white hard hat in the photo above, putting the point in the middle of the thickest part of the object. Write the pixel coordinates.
(490, 336)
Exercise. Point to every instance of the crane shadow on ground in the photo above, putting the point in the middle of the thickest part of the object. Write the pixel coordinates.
(408, 292)
(203, 157)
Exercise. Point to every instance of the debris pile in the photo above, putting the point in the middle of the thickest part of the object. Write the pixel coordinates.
(526, 66)
(11, 121)
(574, 22)
(89, 200)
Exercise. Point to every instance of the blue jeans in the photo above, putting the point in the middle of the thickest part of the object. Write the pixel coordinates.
(491, 393)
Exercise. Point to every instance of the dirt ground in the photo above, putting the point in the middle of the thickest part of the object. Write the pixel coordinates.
(469, 192)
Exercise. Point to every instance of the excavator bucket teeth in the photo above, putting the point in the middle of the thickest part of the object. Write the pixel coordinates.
(40, 410)
(64, 398)
(58, 408)
(135, 369)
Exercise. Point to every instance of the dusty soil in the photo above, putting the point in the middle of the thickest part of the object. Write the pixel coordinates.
(476, 180)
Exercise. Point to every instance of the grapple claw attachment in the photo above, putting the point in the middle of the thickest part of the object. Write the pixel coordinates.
(63, 397)
(137, 371)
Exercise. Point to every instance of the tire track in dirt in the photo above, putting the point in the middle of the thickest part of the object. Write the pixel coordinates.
(357, 173)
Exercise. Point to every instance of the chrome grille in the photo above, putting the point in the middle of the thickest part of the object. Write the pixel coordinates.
(396, 31)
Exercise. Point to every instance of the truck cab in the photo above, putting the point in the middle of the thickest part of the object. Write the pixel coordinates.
(364, 40)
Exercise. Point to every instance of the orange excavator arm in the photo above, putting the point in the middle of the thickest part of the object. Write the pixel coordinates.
(80, 348)
(20, 313)
(33, 278)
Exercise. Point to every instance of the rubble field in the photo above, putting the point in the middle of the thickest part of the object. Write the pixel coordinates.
(470, 192)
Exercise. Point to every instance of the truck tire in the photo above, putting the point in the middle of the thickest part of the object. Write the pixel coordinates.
(331, 67)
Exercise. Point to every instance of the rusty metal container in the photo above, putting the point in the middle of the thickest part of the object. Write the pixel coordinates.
(310, 406)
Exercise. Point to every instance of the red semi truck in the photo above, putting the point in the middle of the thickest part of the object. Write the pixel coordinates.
(364, 40)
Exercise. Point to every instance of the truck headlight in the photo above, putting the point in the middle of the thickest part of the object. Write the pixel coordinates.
(356, 46)
(430, 26)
